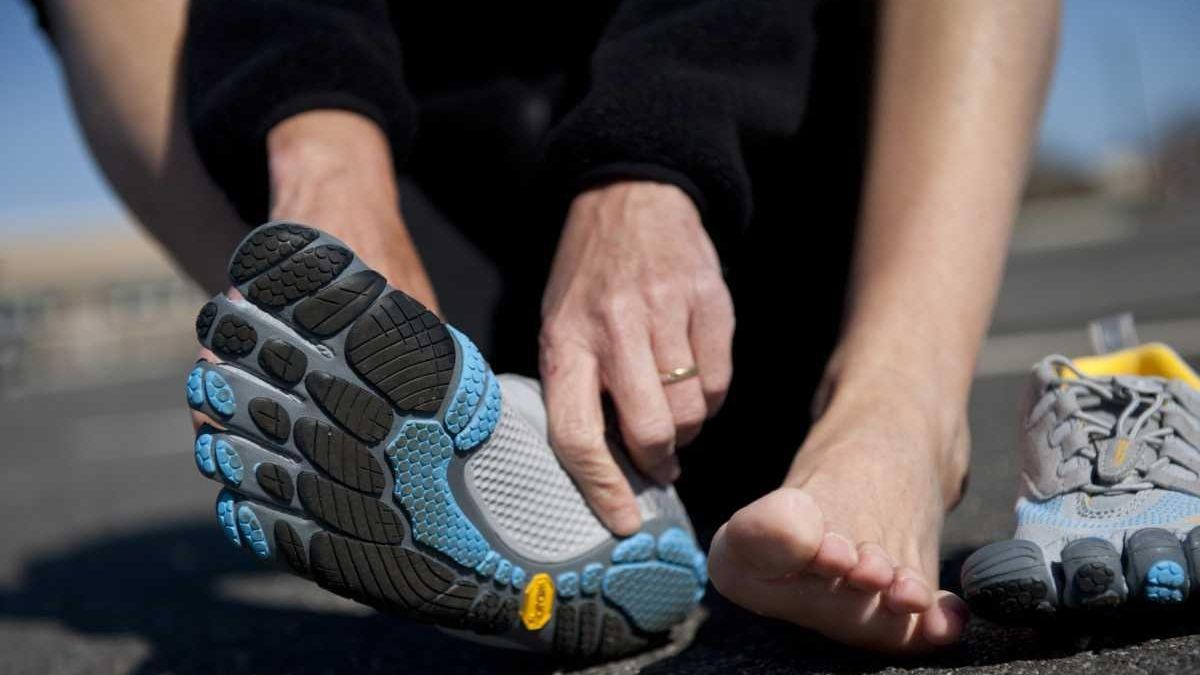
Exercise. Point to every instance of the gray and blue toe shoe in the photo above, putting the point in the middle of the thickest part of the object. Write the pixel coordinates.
(366, 445)
(1109, 508)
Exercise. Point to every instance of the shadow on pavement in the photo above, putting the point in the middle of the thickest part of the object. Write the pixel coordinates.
(162, 585)
(168, 586)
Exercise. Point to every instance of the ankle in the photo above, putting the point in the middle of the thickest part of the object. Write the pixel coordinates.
(893, 415)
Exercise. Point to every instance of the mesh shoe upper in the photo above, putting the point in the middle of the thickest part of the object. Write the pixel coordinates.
(1109, 444)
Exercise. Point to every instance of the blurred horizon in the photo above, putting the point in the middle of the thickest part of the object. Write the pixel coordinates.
(1124, 83)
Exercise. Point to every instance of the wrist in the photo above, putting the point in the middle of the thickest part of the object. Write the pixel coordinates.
(322, 148)
(630, 194)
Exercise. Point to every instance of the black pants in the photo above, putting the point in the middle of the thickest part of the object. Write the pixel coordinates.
(787, 273)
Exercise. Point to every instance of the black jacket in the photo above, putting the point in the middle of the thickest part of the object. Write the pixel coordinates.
(667, 90)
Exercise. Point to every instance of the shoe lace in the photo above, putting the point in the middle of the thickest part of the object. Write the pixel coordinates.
(1139, 428)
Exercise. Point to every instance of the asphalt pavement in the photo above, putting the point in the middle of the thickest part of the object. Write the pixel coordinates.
(110, 560)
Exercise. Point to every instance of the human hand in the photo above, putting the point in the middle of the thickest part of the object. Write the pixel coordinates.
(333, 170)
(635, 291)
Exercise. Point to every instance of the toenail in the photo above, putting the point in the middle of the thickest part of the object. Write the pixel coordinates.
(959, 609)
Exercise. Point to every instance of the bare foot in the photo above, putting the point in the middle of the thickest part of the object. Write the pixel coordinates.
(849, 545)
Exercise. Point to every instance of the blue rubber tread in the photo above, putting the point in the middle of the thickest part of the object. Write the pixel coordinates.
(204, 454)
(226, 504)
(219, 394)
(472, 383)
(419, 457)
(1165, 582)
(484, 421)
(638, 548)
(655, 593)
(252, 532)
(567, 585)
(593, 575)
(195, 387)
(229, 462)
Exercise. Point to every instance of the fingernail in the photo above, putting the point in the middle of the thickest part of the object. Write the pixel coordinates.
(626, 520)
(668, 471)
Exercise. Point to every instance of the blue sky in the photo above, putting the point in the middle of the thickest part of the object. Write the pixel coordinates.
(1126, 70)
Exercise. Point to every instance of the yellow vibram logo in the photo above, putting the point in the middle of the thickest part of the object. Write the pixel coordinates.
(1122, 449)
(539, 602)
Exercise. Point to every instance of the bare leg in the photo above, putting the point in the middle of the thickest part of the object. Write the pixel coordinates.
(122, 62)
(849, 545)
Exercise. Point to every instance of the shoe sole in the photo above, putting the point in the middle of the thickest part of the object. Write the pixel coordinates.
(1011, 582)
(348, 413)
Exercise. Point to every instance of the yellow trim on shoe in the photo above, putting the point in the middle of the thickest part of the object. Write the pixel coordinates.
(1153, 359)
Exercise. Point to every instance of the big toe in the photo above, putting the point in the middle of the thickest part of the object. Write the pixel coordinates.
(782, 534)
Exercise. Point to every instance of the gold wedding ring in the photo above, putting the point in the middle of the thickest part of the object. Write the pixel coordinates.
(680, 374)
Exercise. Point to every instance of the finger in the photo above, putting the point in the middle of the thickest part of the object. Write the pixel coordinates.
(673, 349)
(647, 426)
(711, 332)
(908, 593)
(576, 427)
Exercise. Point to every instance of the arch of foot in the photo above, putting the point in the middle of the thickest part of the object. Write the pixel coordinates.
(419, 457)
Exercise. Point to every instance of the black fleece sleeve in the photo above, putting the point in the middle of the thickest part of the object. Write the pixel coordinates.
(679, 91)
(250, 64)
